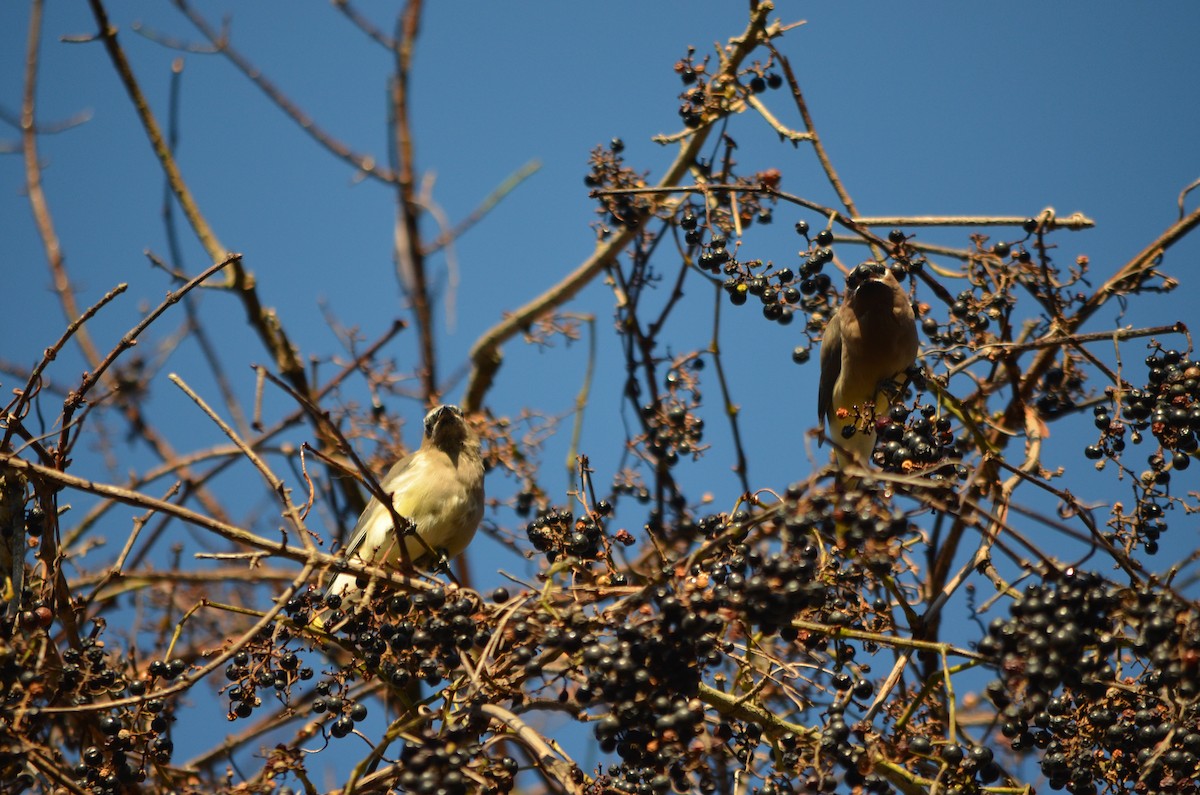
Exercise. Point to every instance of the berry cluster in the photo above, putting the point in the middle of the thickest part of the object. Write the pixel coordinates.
(1120, 737)
(109, 768)
(133, 741)
(706, 98)
(1146, 523)
(626, 482)
(772, 590)
(949, 341)
(401, 637)
(557, 533)
(780, 291)
(344, 711)
(971, 316)
(122, 742)
(608, 173)
(90, 671)
(1059, 392)
(249, 672)
(1046, 281)
(965, 768)
(1139, 741)
(695, 98)
(1166, 634)
(1058, 633)
(844, 747)
(527, 498)
(453, 761)
(673, 429)
(650, 674)
(1174, 416)
(1168, 405)
(974, 311)
(829, 547)
(862, 524)
(768, 589)
(915, 438)
(1057, 656)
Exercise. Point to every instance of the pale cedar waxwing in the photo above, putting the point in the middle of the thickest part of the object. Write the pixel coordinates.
(439, 488)
(870, 341)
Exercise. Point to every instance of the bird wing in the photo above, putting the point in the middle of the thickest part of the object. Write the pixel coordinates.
(831, 364)
(372, 534)
(376, 514)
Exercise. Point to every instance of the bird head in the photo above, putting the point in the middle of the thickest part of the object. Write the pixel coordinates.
(442, 420)
(445, 427)
(870, 282)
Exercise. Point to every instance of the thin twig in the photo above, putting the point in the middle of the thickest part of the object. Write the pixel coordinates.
(262, 320)
(37, 197)
(486, 356)
(366, 164)
(274, 481)
(1075, 222)
(364, 24)
(20, 403)
(731, 409)
(506, 187)
(224, 530)
(77, 397)
(410, 256)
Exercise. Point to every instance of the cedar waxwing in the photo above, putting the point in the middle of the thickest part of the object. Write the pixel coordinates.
(871, 340)
(439, 488)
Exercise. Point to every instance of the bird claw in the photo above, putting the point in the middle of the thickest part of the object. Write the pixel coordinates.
(443, 561)
(893, 388)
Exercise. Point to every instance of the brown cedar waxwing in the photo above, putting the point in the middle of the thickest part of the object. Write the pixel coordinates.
(439, 488)
(871, 339)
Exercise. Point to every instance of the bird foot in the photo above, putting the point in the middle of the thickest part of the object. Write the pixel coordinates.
(443, 561)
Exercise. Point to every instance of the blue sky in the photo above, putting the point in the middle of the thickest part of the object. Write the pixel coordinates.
(930, 108)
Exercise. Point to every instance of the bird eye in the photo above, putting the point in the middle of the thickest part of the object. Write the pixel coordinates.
(431, 419)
